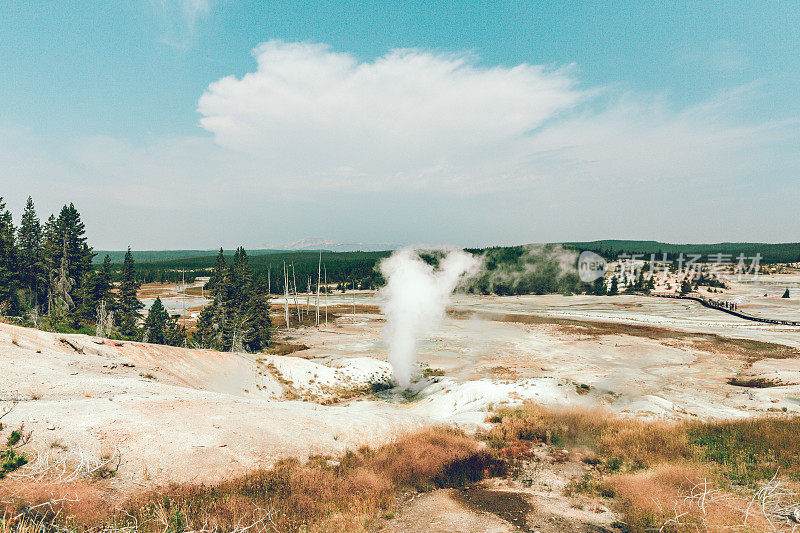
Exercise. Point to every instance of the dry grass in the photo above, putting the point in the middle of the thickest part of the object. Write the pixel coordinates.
(686, 476)
(285, 348)
(622, 443)
(754, 383)
(682, 497)
(745, 451)
(321, 495)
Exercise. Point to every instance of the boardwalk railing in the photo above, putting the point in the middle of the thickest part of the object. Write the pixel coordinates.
(712, 305)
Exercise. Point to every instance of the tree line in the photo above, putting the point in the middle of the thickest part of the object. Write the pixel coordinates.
(48, 281)
(238, 318)
(47, 277)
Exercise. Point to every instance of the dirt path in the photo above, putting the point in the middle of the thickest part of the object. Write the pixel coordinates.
(441, 511)
(485, 508)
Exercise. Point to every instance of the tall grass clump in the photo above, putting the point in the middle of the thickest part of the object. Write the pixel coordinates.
(674, 476)
(319, 495)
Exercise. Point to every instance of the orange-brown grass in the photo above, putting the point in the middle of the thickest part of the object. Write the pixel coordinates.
(681, 497)
(319, 495)
(745, 450)
(623, 443)
(27, 503)
(658, 471)
(434, 457)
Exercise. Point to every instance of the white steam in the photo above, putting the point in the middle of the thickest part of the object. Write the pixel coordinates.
(414, 300)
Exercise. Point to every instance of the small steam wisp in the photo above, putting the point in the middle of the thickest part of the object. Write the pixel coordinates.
(414, 300)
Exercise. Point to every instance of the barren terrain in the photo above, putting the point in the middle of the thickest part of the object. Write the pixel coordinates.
(164, 413)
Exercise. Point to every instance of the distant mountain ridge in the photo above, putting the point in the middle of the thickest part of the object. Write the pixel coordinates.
(314, 243)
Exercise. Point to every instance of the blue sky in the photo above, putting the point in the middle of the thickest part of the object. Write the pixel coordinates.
(195, 123)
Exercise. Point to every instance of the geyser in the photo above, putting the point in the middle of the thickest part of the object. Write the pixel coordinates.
(414, 300)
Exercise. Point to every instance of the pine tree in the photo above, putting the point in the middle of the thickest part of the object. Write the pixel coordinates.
(205, 332)
(50, 248)
(65, 238)
(175, 334)
(258, 324)
(155, 325)
(128, 304)
(101, 284)
(236, 299)
(686, 286)
(614, 288)
(30, 244)
(238, 317)
(70, 229)
(599, 288)
(219, 272)
(9, 268)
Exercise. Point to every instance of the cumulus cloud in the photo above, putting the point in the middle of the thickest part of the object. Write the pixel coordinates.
(413, 118)
(503, 153)
(410, 117)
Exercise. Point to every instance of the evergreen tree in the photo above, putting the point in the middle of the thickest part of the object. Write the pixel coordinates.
(161, 328)
(30, 244)
(234, 294)
(240, 281)
(258, 323)
(175, 334)
(74, 232)
(238, 317)
(218, 274)
(101, 284)
(205, 330)
(599, 287)
(155, 325)
(65, 238)
(686, 286)
(9, 268)
(51, 245)
(651, 285)
(614, 288)
(128, 304)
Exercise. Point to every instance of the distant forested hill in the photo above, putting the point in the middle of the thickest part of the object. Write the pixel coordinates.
(505, 265)
(348, 267)
(152, 256)
(771, 253)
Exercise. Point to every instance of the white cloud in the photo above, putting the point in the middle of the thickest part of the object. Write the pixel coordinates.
(415, 119)
(410, 117)
(418, 146)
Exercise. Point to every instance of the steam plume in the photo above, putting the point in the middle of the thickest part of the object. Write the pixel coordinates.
(414, 300)
(530, 269)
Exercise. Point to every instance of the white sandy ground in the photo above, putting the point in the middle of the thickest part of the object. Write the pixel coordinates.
(206, 414)
(185, 414)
